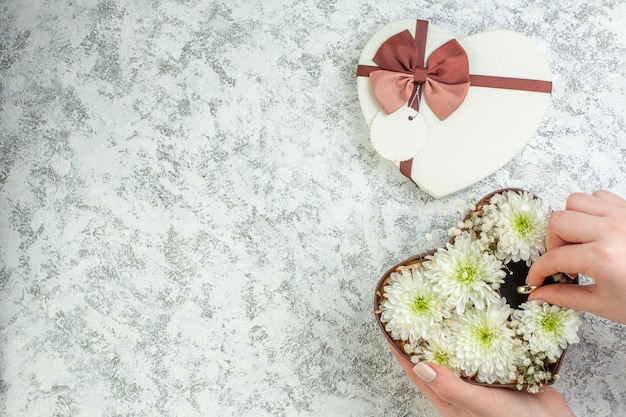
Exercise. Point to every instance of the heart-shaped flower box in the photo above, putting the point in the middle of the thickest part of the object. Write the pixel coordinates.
(530, 371)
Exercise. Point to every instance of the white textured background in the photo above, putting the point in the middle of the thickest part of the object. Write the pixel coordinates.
(192, 218)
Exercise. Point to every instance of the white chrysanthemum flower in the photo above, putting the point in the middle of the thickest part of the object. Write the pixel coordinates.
(440, 350)
(520, 222)
(411, 309)
(548, 328)
(485, 344)
(464, 273)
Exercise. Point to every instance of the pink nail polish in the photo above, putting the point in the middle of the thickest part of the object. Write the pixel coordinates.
(424, 372)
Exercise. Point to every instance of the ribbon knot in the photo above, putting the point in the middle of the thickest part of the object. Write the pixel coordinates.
(420, 75)
(445, 78)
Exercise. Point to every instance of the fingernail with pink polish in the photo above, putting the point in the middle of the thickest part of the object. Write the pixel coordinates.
(424, 372)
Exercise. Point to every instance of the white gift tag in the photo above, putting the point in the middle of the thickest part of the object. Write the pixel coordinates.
(398, 136)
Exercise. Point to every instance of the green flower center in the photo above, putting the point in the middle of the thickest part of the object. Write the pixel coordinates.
(550, 323)
(485, 336)
(523, 225)
(421, 305)
(467, 274)
(441, 358)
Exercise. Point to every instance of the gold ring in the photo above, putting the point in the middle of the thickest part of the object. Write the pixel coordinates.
(526, 289)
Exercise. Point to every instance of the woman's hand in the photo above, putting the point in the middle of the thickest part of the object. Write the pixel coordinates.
(453, 397)
(588, 237)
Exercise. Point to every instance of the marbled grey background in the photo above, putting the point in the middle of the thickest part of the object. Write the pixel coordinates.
(193, 219)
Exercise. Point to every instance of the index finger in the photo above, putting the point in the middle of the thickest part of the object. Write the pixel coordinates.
(567, 226)
(567, 259)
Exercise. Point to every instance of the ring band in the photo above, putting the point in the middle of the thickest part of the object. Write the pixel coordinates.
(526, 289)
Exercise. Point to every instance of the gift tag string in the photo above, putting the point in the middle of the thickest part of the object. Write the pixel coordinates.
(416, 96)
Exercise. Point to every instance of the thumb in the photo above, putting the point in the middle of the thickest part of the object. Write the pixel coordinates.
(452, 390)
(577, 297)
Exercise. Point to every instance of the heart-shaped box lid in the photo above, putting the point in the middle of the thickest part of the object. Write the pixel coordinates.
(509, 92)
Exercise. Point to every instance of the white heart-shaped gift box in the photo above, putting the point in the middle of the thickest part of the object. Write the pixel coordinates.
(509, 92)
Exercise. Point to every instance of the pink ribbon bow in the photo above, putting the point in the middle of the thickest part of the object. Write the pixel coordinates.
(445, 78)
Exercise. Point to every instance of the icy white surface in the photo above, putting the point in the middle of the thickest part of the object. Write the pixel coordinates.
(193, 219)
